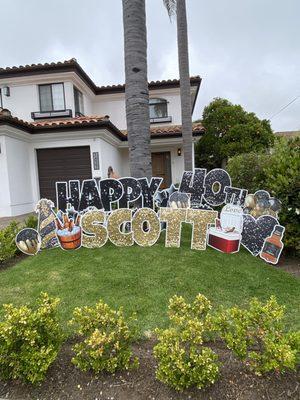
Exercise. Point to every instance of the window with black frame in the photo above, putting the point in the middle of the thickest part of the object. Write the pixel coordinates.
(52, 97)
(159, 110)
(78, 100)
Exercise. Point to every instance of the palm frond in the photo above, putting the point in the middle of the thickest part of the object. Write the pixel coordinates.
(171, 6)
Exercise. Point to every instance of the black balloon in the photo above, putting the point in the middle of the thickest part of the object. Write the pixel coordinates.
(261, 194)
(275, 204)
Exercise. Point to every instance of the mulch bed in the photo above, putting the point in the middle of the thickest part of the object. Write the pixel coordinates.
(65, 381)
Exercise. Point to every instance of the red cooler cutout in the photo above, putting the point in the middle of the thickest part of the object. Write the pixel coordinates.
(227, 242)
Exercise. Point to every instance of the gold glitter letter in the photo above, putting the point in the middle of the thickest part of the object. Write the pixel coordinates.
(148, 216)
(94, 233)
(174, 219)
(117, 219)
(200, 219)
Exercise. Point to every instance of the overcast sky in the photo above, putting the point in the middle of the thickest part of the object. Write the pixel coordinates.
(247, 51)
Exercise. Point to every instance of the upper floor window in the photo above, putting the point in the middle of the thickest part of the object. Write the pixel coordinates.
(78, 100)
(52, 97)
(159, 110)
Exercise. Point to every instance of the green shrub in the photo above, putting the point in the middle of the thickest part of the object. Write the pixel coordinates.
(283, 182)
(183, 361)
(31, 222)
(278, 173)
(8, 246)
(247, 171)
(30, 339)
(256, 336)
(107, 339)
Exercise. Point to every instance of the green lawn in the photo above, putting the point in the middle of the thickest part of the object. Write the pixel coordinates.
(143, 279)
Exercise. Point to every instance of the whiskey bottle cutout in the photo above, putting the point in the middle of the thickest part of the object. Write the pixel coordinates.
(273, 246)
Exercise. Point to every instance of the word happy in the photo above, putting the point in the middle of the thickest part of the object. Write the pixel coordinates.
(213, 188)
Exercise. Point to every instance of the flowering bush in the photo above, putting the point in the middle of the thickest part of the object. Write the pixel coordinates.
(8, 246)
(30, 339)
(106, 339)
(182, 359)
(256, 336)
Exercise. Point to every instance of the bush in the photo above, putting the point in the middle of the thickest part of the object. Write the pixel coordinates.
(31, 222)
(256, 336)
(30, 339)
(283, 182)
(278, 173)
(247, 171)
(106, 339)
(182, 360)
(8, 246)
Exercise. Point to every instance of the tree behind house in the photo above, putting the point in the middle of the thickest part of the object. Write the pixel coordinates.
(136, 87)
(179, 7)
(229, 131)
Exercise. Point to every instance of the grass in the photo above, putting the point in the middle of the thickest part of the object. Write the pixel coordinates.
(143, 279)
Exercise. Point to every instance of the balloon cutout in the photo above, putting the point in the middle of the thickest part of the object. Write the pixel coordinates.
(130, 210)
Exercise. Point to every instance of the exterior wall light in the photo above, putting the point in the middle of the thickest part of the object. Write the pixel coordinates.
(179, 152)
(6, 91)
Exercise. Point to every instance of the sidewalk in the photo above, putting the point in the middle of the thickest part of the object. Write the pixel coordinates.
(4, 221)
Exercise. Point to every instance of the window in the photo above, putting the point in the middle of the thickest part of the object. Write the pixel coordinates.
(1, 104)
(159, 111)
(158, 108)
(52, 97)
(78, 99)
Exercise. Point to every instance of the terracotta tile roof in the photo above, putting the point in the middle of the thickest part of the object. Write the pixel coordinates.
(288, 134)
(88, 122)
(70, 121)
(172, 130)
(72, 65)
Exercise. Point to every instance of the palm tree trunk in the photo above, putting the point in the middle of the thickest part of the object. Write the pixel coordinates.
(136, 87)
(185, 85)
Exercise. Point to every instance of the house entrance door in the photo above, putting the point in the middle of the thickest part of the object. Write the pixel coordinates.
(161, 167)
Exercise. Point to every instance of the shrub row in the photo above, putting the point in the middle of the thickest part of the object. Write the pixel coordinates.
(279, 173)
(30, 339)
(8, 248)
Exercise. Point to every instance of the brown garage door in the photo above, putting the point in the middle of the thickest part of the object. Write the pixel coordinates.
(62, 164)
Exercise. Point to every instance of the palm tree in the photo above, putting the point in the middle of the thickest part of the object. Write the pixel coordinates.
(178, 7)
(136, 87)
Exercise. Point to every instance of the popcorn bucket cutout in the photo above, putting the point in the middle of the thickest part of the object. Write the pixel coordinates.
(68, 234)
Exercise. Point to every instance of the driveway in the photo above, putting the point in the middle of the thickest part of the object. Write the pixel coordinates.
(4, 221)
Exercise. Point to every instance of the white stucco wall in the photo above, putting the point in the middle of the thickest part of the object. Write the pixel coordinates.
(23, 100)
(19, 175)
(4, 180)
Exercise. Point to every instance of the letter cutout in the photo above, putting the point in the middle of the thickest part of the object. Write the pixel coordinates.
(235, 195)
(116, 219)
(142, 217)
(94, 233)
(174, 219)
(111, 191)
(149, 191)
(65, 197)
(193, 183)
(89, 196)
(222, 178)
(200, 219)
(132, 191)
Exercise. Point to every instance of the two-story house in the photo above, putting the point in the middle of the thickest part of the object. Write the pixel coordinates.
(57, 125)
